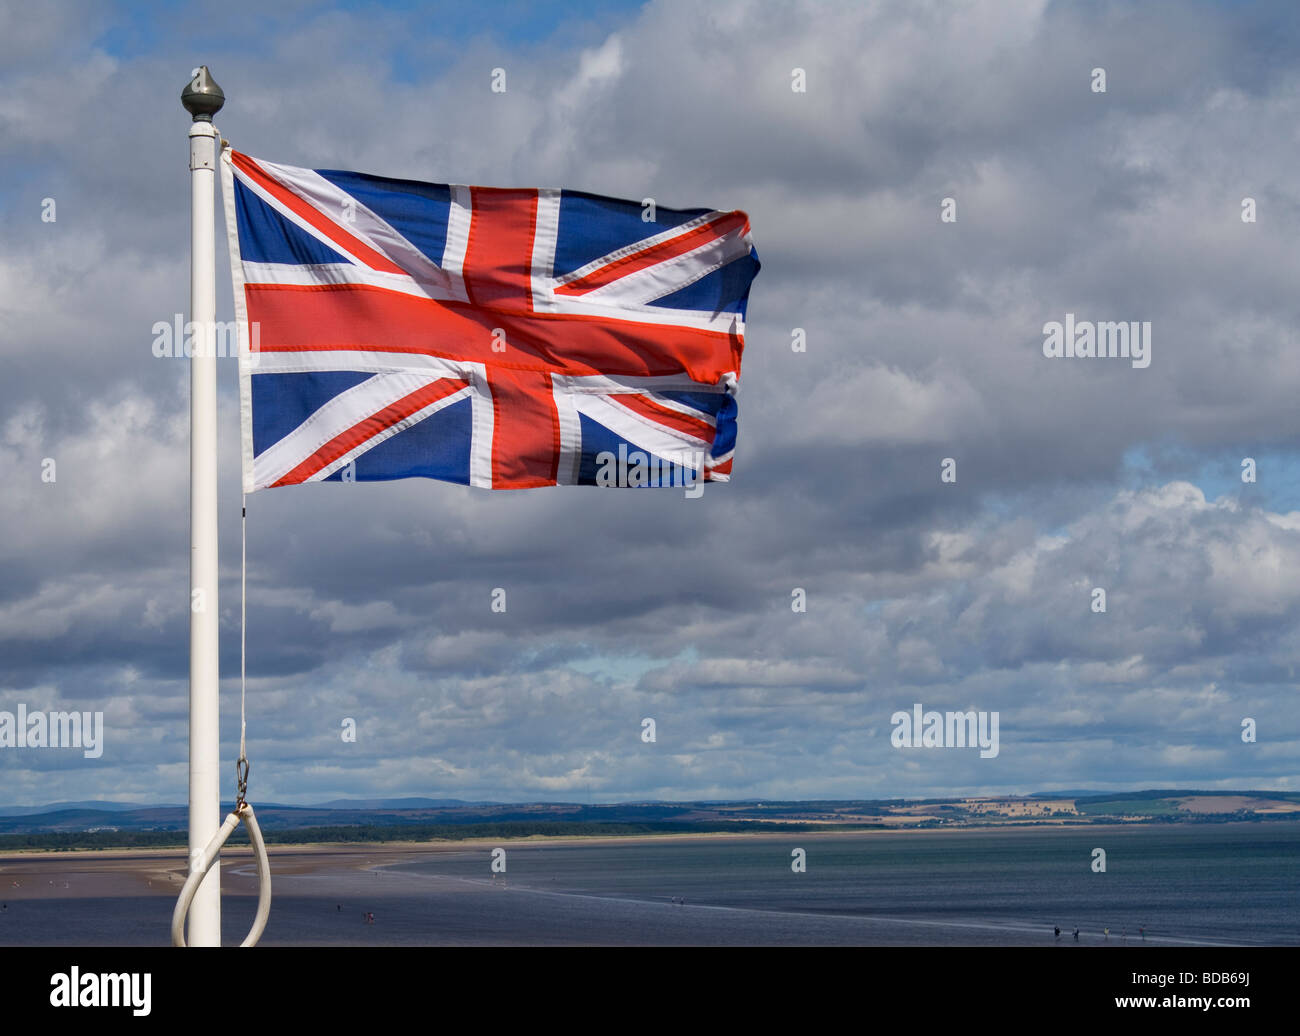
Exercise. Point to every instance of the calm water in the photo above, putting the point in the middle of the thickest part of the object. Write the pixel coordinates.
(1235, 884)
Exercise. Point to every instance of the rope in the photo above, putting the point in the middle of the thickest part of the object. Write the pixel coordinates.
(242, 812)
(242, 767)
(199, 870)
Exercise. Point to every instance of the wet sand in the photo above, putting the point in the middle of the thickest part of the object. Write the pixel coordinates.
(80, 874)
(25, 874)
(161, 872)
(973, 886)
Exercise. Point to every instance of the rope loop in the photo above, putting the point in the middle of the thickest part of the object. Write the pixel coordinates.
(199, 869)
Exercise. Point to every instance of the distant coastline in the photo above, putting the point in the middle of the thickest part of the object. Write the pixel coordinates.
(289, 853)
(87, 828)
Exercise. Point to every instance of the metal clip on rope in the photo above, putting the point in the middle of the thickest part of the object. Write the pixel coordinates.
(199, 869)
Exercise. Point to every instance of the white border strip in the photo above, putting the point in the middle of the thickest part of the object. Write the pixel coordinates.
(459, 217)
(546, 233)
(569, 465)
(484, 427)
(375, 361)
(310, 274)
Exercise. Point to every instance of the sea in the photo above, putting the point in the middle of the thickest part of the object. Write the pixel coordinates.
(1163, 885)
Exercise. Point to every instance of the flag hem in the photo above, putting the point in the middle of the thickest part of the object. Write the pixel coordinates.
(246, 360)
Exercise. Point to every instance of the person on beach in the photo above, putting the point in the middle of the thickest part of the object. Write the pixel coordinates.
(1057, 931)
(1076, 933)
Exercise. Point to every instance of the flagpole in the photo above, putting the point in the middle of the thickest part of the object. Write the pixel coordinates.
(203, 98)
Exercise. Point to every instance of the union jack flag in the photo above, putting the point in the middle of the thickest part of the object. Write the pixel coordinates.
(500, 338)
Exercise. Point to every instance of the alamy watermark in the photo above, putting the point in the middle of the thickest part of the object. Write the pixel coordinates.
(95, 989)
(635, 469)
(182, 339)
(921, 729)
(84, 730)
(1107, 339)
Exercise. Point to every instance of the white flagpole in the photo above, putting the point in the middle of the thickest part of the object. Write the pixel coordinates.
(202, 98)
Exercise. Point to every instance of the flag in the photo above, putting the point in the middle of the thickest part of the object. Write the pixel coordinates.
(500, 338)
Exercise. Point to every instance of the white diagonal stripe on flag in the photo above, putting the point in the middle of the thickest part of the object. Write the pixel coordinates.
(269, 199)
(390, 431)
(654, 282)
(345, 411)
(332, 201)
(668, 443)
(637, 246)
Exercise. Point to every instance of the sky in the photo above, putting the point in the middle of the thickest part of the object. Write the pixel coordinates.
(924, 343)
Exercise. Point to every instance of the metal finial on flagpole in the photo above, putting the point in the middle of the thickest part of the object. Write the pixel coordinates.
(202, 98)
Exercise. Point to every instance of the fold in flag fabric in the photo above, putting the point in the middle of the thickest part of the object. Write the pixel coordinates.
(500, 338)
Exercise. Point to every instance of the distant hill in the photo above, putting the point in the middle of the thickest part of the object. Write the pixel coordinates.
(97, 804)
(407, 803)
(87, 823)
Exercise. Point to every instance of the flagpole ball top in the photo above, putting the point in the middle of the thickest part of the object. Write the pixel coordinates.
(202, 97)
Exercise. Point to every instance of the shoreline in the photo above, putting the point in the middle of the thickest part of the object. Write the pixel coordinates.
(152, 853)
